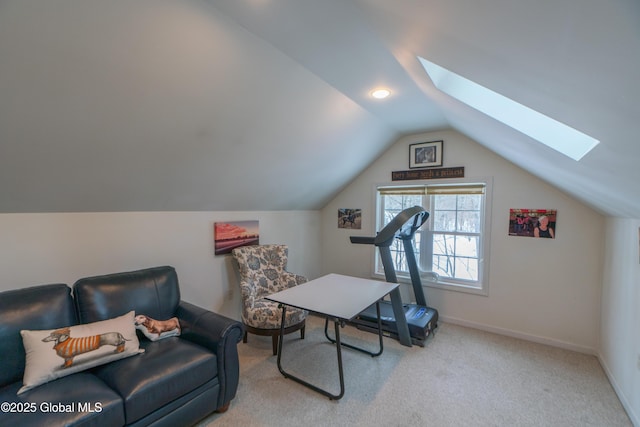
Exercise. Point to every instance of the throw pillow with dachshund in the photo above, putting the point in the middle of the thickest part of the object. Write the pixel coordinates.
(157, 329)
(51, 354)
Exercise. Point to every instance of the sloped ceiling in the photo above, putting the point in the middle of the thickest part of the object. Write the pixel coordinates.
(264, 104)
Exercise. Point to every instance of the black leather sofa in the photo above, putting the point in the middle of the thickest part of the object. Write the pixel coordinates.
(176, 382)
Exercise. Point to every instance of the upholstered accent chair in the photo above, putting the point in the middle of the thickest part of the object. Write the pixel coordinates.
(263, 272)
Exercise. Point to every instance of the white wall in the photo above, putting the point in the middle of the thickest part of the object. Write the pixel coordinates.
(620, 333)
(540, 289)
(64, 247)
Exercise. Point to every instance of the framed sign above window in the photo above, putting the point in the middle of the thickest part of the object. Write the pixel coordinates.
(425, 155)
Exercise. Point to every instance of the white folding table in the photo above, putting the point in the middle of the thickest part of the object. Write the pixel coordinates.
(340, 299)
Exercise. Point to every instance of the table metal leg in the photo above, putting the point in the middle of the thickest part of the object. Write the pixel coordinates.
(372, 354)
(303, 382)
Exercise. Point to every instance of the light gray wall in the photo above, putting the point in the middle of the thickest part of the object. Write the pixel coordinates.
(539, 289)
(64, 247)
(156, 105)
(620, 333)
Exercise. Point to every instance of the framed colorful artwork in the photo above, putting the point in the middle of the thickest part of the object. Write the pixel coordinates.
(533, 223)
(232, 234)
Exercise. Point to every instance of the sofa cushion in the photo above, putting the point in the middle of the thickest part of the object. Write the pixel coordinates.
(37, 307)
(92, 403)
(167, 370)
(56, 353)
(185, 411)
(152, 291)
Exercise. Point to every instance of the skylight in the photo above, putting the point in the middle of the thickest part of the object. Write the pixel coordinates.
(560, 137)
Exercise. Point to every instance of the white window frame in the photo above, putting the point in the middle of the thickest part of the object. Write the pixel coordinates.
(429, 279)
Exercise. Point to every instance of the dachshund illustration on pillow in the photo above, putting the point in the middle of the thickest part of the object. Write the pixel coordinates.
(68, 347)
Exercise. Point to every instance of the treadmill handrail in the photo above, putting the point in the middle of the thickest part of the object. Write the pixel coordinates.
(363, 240)
(390, 231)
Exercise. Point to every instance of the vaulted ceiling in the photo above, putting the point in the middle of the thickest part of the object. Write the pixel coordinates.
(238, 105)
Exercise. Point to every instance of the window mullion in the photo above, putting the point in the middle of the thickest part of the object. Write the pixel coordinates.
(426, 239)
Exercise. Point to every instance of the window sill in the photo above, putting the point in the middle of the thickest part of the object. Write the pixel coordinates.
(428, 282)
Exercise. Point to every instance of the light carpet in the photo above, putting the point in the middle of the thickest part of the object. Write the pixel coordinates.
(462, 377)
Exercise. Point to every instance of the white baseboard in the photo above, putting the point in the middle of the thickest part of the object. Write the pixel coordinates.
(633, 416)
(521, 335)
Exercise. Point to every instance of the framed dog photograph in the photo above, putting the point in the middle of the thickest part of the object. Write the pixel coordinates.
(350, 218)
(425, 155)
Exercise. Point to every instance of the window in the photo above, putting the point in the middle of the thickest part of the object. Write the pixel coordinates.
(562, 138)
(452, 246)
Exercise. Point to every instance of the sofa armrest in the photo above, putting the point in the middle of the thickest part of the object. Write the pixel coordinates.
(220, 335)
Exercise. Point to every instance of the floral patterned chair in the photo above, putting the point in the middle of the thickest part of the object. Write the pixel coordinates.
(262, 273)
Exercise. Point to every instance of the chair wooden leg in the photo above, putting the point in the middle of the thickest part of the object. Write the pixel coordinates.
(274, 334)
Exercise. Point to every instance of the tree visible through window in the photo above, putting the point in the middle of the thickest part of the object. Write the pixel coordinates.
(451, 243)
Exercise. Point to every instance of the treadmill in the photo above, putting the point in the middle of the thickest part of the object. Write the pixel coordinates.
(418, 318)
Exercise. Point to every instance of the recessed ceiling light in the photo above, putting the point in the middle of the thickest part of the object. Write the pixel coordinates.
(380, 93)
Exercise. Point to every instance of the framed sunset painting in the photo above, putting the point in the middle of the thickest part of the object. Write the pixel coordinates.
(232, 234)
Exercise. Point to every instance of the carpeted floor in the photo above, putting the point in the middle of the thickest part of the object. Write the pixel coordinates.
(462, 377)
